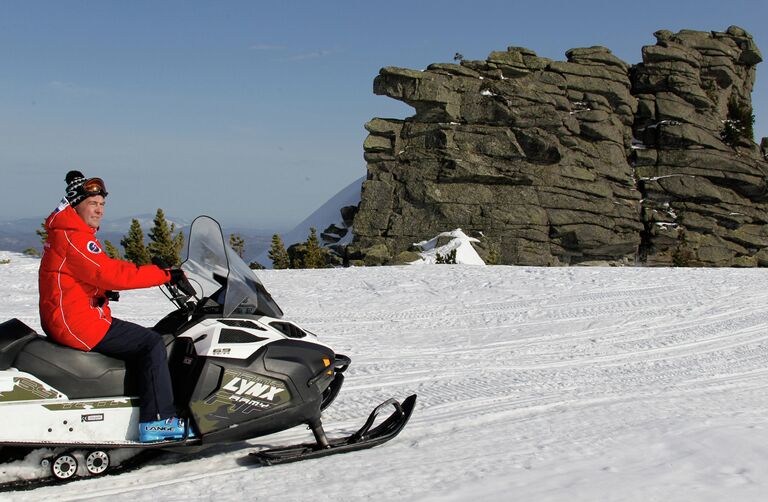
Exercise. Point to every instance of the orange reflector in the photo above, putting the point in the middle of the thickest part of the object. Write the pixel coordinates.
(326, 362)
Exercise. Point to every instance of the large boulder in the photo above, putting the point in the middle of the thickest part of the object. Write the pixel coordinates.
(588, 160)
(698, 181)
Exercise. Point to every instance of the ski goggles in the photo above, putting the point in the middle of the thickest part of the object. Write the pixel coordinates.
(94, 186)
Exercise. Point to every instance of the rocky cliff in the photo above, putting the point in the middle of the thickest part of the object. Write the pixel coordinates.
(590, 160)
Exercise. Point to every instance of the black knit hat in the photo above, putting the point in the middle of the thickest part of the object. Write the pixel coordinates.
(75, 180)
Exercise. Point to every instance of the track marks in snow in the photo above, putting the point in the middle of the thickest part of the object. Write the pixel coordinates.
(525, 346)
(484, 356)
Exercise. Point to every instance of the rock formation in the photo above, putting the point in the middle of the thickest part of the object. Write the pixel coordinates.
(585, 161)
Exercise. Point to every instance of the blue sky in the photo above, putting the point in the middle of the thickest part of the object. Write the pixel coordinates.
(252, 111)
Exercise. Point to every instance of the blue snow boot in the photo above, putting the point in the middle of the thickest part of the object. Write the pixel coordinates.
(164, 430)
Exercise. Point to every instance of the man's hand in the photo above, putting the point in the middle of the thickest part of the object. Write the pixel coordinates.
(179, 279)
(177, 276)
(159, 262)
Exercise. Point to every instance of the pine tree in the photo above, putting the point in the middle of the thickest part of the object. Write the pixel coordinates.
(278, 254)
(111, 250)
(446, 259)
(315, 256)
(237, 244)
(164, 245)
(296, 254)
(178, 243)
(133, 243)
(494, 256)
(42, 233)
(682, 256)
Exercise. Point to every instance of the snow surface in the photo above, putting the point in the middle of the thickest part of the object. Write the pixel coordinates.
(534, 384)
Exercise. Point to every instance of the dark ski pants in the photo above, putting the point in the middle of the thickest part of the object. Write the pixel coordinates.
(142, 349)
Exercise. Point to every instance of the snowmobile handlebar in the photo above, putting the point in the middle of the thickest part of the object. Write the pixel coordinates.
(185, 287)
(180, 291)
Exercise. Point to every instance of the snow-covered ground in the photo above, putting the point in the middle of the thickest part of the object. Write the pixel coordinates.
(534, 384)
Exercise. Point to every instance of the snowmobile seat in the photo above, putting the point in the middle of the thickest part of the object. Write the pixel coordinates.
(73, 372)
(14, 335)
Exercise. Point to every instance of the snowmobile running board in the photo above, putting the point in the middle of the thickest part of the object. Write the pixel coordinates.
(104, 445)
(360, 440)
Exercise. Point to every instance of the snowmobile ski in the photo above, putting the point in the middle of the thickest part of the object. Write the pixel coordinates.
(366, 437)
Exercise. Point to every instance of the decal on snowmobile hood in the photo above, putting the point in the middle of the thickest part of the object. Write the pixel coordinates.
(241, 393)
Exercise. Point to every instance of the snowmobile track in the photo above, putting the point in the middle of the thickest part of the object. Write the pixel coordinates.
(128, 465)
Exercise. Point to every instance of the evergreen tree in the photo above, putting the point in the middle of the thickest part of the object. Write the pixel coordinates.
(42, 233)
(739, 124)
(446, 259)
(296, 254)
(237, 244)
(178, 243)
(682, 256)
(133, 243)
(164, 245)
(494, 256)
(278, 254)
(315, 254)
(111, 250)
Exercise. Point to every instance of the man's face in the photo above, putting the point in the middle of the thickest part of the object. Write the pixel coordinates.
(91, 210)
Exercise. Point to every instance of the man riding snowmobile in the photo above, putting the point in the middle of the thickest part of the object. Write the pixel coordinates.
(77, 280)
(239, 369)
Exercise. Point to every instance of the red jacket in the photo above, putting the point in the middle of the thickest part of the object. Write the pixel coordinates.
(74, 275)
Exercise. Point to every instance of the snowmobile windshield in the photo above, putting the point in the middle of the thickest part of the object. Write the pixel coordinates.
(217, 272)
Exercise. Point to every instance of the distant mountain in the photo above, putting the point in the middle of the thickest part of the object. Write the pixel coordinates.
(19, 235)
(121, 225)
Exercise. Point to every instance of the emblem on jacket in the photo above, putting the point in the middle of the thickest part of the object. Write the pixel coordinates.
(63, 204)
(93, 247)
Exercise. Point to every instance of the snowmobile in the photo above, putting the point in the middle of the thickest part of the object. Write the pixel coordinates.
(239, 371)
